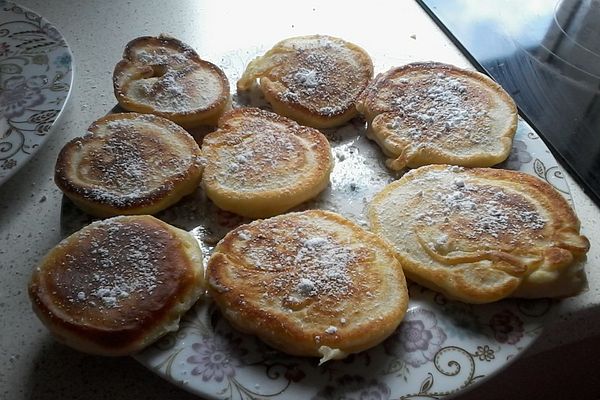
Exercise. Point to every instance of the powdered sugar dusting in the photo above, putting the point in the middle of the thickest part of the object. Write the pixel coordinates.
(306, 287)
(185, 89)
(331, 330)
(126, 160)
(438, 105)
(166, 92)
(240, 159)
(138, 254)
(114, 262)
(161, 56)
(178, 81)
(486, 210)
(321, 268)
(307, 77)
(310, 264)
(312, 76)
(268, 150)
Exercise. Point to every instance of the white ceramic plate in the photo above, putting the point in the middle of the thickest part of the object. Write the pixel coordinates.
(441, 347)
(35, 81)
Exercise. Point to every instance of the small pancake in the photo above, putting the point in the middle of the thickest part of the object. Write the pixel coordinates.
(310, 284)
(432, 113)
(314, 80)
(129, 164)
(164, 76)
(480, 235)
(260, 164)
(117, 285)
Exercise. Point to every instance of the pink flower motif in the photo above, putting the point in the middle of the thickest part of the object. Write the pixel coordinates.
(418, 339)
(507, 327)
(217, 357)
(4, 48)
(19, 94)
(518, 156)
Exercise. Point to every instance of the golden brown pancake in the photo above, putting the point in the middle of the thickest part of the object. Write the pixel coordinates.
(314, 80)
(164, 76)
(432, 113)
(117, 285)
(480, 235)
(310, 284)
(129, 164)
(260, 164)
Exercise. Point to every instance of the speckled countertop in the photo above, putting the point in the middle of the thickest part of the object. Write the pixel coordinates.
(32, 365)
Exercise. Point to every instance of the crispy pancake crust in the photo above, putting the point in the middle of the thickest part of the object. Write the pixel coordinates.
(480, 235)
(260, 164)
(432, 113)
(117, 285)
(314, 80)
(310, 283)
(129, 164)
(164, 76)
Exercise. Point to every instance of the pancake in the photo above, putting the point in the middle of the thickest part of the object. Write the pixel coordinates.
(309, 284)
(480, 235)
(432, 113)
(260, 164)
(314, 80)
(117, 285)
(129, 164)
(164, 76)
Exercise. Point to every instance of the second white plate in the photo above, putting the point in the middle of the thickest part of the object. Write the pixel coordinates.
(36, 75)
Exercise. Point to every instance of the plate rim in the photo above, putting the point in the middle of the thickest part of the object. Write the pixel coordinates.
(23, 160)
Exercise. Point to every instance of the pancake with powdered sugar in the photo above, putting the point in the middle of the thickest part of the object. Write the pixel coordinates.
(260, 164)
(118, 285)
(310, 283)
(482, 234)
(432, 113)
(129, 164)
(166, 77)
(314, 80)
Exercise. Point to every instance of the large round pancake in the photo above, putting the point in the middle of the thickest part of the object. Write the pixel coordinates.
(314, 80)
(129, 164)
(432, 113)
(260, 164)
(117, 285)
(310, 283)
(164, 76)
(481, 234)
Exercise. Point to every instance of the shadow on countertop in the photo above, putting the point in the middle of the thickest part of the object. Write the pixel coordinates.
(60, 373)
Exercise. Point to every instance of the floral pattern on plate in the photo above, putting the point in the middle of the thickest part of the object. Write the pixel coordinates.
(441, 347)
(422, 359)
(35, 81)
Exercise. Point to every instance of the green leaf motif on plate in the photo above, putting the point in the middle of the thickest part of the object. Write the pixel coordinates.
(427, 384)
(10, 69)
(59, 87)
(539, 168)
(40, 59)
(398, 367)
